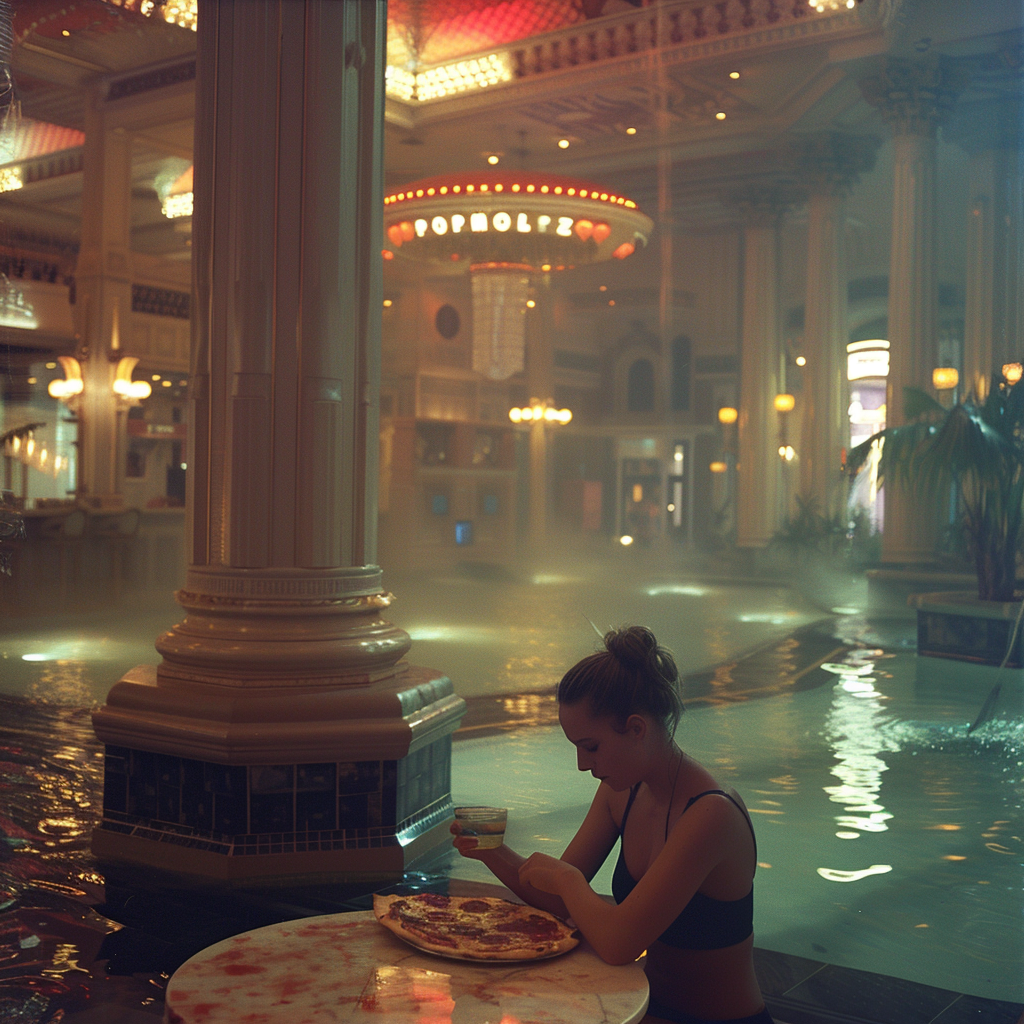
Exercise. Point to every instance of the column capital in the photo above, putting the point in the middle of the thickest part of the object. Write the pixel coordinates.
(914, 96)
(764, 205)
(831, 162)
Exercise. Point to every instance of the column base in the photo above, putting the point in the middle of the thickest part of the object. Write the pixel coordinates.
(285, 785)
(178, 856)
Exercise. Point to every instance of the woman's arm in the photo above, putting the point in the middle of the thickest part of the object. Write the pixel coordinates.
(504, 863)
(620, 933)
(586, 853)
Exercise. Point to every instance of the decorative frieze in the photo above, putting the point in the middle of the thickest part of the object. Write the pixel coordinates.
(160, 301)
(154, 78)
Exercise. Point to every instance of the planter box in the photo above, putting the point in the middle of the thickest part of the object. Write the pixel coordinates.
(960, 626)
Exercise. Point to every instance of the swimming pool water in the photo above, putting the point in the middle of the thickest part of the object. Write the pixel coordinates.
(889, 839)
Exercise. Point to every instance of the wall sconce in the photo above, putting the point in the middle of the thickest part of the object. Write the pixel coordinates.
(540, 412)
(784, 403)
(70, 387)
(124, 387)
(1012, 372)
(786, 452)
(727, 414)
(944, 378)
(718, 467)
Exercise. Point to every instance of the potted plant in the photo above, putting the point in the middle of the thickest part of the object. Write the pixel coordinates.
(974, 451)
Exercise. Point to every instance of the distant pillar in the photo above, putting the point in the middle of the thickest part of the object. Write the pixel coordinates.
(829, 164)
(758, 499)
(539, 381)
(282, 736)
(990, 132)
(913, 97)
(103, 295)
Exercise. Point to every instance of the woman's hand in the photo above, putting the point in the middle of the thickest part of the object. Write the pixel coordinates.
(549, 874)
(466, 845)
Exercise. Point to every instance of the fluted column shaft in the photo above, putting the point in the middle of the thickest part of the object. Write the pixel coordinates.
(913, 98)
(102, 302)
(824, 424)
(994, 292)
(288, 286)
(830, 164)
(758, 512)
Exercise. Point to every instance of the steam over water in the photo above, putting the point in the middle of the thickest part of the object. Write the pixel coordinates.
(889, 837)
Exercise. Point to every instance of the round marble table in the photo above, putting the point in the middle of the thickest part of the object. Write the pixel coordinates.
(346, 967)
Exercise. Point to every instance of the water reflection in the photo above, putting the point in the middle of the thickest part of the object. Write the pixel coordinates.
(853, 727)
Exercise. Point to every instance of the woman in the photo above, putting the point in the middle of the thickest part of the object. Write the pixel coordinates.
(683, 884)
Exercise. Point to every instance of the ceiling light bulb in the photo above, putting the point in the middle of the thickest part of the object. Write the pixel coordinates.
(563, 143)
(720, 115)
(492, 159)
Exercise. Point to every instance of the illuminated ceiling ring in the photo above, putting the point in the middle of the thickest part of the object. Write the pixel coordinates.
(539, 221)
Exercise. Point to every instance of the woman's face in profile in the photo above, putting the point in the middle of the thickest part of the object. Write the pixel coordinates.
(609, 755)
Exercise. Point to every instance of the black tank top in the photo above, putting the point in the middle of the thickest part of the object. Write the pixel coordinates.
(704, 923)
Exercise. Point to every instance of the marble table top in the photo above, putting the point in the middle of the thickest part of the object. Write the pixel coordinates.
(347, 967)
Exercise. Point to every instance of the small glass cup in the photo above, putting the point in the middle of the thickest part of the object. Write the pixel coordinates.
(486, 824)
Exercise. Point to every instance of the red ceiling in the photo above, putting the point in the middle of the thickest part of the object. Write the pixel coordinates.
(443, 29)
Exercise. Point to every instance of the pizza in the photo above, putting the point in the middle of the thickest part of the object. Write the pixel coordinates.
(474, 927)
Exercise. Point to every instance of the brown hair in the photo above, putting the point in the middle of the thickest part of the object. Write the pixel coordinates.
(634, 674)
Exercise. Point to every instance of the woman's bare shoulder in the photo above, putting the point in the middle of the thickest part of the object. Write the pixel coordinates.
(614, 802)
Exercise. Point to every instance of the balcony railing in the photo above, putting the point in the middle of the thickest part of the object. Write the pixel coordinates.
(670, 25)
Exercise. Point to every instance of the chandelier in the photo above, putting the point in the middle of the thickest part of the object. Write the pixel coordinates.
(505, 227)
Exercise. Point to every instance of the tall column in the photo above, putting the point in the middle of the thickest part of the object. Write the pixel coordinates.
(994, 295)
(913, 97)
(102, 302)
(829, 164)
(759, 512)
(282, 735)
(539, 362)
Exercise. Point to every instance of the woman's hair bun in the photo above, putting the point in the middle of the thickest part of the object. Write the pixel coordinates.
(633, 674)
(632, 645)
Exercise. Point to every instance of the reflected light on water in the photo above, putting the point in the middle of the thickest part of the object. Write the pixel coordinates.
(676, 588)
(853, 729)
(459, 634)
(832, 875)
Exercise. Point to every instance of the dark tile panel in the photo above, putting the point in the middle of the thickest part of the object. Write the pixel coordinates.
(359, 777)
(269, 808)
(315, 810)
(115, 790)
(319, 777)
(272, 812)
(272, 778)
(972, 1010)
(870, 997)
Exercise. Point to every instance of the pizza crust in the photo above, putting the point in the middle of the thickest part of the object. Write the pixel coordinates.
(474, 928)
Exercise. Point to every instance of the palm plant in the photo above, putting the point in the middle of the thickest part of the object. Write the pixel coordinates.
(976, 449)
